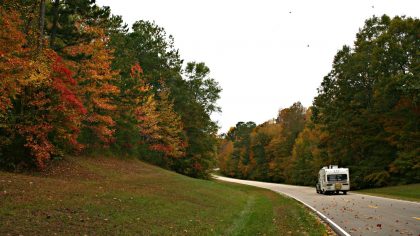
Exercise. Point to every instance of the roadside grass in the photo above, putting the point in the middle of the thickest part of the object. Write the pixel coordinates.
(409, 192)
(108, 196)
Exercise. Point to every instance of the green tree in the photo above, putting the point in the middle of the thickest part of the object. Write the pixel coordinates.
(261, 138)
(149, 45)
(194, 99)
(63, 17)
(368, 104)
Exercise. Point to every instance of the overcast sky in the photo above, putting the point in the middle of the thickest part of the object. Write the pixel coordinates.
(265, 54)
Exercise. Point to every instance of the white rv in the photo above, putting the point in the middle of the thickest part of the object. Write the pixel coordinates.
(332, 179)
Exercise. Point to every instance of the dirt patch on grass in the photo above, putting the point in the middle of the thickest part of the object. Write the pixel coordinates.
(121, 166)
(68, 168)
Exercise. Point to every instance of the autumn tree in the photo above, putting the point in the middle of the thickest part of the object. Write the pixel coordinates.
(239, 159)
(14, 58)
(192, 93)
(147, 122)
(171, 143)
(14, 66)
(41, 112)
(264, 152)
(307, 155)
(291, 121)
(64, 91)
(224, 152)
(95, 86)
(132, 95)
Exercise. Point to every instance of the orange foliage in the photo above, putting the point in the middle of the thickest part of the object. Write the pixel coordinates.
(37, 92)
(96, 79)
(13, 57)
(158, 124)
(36, 137)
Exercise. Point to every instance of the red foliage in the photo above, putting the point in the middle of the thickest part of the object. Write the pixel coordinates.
(161, 148)
(136, 71)
(197, 166)
(62, 81)
(36, 137)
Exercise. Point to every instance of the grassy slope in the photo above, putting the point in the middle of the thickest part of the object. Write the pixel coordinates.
(127, 197)
(409, 192)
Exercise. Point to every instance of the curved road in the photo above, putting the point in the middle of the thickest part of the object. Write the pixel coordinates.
(356, 214)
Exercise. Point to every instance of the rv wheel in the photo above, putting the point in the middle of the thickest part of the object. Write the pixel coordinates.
(344, 192)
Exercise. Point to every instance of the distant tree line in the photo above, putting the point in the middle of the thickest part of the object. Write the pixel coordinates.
(366, 117)
(74, 80)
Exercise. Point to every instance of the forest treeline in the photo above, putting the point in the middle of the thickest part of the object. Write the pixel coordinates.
(366, 117)
(75, 80)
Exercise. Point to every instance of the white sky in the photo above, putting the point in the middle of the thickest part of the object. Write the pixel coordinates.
(257, 50)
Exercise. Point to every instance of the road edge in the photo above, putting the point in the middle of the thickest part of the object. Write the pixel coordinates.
(337, 229)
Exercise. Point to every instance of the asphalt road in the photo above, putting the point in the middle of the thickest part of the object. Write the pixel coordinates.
(355, 214)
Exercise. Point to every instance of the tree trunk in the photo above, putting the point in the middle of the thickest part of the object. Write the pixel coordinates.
(41, 24)
(54, 23)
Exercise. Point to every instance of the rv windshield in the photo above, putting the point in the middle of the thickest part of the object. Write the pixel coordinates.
(337, 177)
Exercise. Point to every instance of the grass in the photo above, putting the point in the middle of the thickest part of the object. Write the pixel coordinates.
(103, 196)
(409, 192)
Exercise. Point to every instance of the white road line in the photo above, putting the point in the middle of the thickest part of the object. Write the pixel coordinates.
(333, 225)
